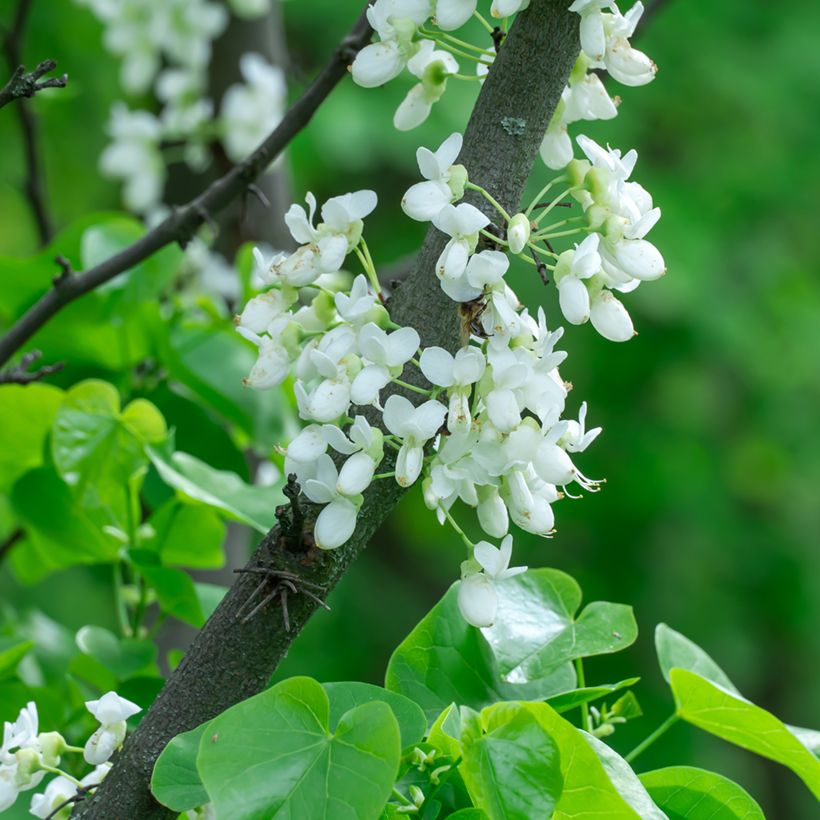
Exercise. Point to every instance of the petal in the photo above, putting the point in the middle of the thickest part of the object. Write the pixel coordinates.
(334, 437)
(335, 524)
(447, 220)
(367, 384)
(610, 318)
(437, 366)
(330, 400)
(468, 366)
(452, 14)
(453, 260)
(490, 558)
(640, 258)
(318, 492)
(470, 219)
(408, 464)
(377, 64)
(413, 110)
(428, 418)
(100, 746)
(428, 164)
(573, 298)
(487, 268)
(297, 221)
(424, 200)
(593, 38)
(397, 413)
(556, 148)
(492, 514)
(478, 600)
(332, 253)
(402, 345)
(460, 290)
(449, 150)
(356, 474)
(502, 408)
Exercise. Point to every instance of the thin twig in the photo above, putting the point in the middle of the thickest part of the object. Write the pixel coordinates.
(20, 374)
(184, 221)
(26, 85)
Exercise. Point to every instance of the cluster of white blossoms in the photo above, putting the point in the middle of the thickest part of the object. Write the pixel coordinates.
(28, 755)
(165, 47)
(488, 427)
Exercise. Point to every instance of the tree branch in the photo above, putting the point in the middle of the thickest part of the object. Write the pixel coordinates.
(184, 221)
(27, 85)
(20, 374)
(230, 660)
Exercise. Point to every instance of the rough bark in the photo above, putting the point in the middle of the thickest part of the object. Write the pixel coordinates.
(230, 661)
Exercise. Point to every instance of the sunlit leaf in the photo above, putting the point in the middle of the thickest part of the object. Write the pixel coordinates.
(175, 781)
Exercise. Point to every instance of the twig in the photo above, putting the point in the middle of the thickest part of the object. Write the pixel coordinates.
(5, 547)
(20, 374)
(26, 85)
(183, 223)
(21, 84)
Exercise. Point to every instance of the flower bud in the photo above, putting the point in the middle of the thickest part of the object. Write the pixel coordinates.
(518, 233)
(457, 180)
(52, 746)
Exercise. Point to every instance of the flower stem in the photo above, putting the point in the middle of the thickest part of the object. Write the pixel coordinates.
(647, 742)
(480, 17)
(586, 724)
(552, 204)
(462, 43)
(412, 387)
(489, 197)
(464, 54)
(468, 543)
(384, 475)
(541, 194)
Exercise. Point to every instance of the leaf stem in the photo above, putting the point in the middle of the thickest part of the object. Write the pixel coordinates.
(489, 197)
(586, 723)
(119, 600)
(647, 742)
(469, 544)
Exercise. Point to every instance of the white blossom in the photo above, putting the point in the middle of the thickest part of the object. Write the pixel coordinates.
(444, 181)
(339, 491)
(112, 712)
(432, 67)
(415, 426)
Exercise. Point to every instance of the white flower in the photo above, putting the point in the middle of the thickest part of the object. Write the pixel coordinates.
(357, 307)
(610, 318)
(415, 426)
(338, 491)
(134, 157)
(518, 233)
(576, 437)
(57, 792)
(444, 181)
(261, 311)
(571, 269)
(457, 373)
(395, 21)
(477, 597)
(112, 712)
(386, 355)
(626, 64)
(250, 111)
(461, 223)
(273, 363)
(361, 436)
(249, 8)
(432, 67)
(492, 512)
(504, 8)
(452, 14)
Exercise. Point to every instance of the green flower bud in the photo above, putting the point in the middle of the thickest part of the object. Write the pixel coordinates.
(458, 179)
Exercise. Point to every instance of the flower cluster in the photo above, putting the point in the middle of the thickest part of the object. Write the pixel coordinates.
(27, 755)
(488, 427)
(165, 46)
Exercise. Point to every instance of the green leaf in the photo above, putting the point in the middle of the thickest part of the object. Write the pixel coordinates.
(274, 754)
(512, 769)
(467, 814)
(97, 448)
(587, 787)
(536, 629)
(677, 651)
(810, 738)
(565, 701)
(26, 415)
(12, 651)
(625, 780)
(444, 660)
(347, 695)
(68, 535)
(224, 491)
(731, 717)
(175, 781)
(123, 657)
(175, 593)
(187, 535)
(687, 793)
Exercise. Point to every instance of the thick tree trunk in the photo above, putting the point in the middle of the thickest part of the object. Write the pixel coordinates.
(230, 661)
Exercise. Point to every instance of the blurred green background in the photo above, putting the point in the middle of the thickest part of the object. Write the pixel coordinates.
(710, 517)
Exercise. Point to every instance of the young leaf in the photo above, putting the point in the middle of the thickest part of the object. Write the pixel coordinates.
(12, 651)
(123, 657)
(274, 754)
(345, 696)
(222, 490)
(444, 660)
(731, 717)
(512, 769)
(677, 651)
(536, 628)
(564, 701)
(175, 592)
(187, 535)
(687, 793)
(175, 781)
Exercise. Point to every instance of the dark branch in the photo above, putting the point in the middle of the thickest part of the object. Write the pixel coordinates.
(183, 223)
(230, 660)
(20, 374)
(26, 85)
(21, 84)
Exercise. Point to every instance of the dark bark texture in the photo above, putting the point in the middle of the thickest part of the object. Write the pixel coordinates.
(230, 660)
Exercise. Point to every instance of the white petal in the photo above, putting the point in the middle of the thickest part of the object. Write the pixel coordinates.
(424, 200)
(452, 14)
(356, 474)
(640, 258)
(297, 221)
(610, 318)
(408, 464)
(413, 110)
(102, 744)
(490, 558)
(397, 414)
(573, 298)
(330, 400)
(503, 411)
(308, 445)
(460, 290)
(556, 148)
(478, 600)
(487, 268)
(437, 366)
(377, 64)
(367, 384)
(553, 465)
(335, 524)
(111, 708)
(428, 418)
(593, 39)
(469, 366)
(492, 514)
(470, 219)
(333, 436)
(402, 345)
(332, 253)
(448, 151)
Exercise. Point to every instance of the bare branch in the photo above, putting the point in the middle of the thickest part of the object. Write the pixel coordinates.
(21, 84)
(20, 374)
(230, 659)
(184, 221)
